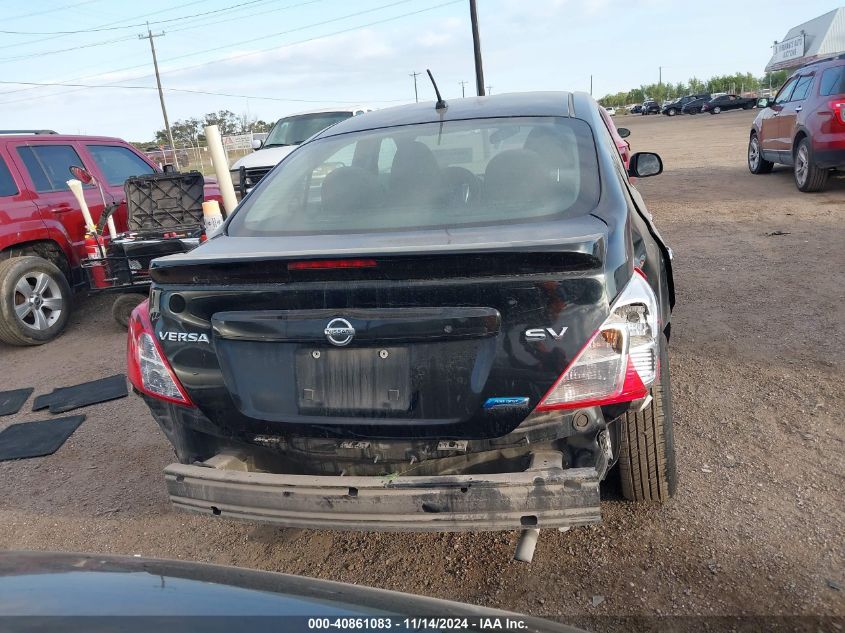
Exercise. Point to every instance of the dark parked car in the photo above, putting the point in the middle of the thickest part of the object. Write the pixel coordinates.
(694, 106)
(728, 102)
(650, 107)
(803, 126)
(676, 107)
(424, 318)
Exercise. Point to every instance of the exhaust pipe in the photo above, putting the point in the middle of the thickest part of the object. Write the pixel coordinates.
(526, 545)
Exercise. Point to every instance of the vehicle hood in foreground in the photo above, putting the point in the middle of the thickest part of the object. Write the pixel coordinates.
(44, 584)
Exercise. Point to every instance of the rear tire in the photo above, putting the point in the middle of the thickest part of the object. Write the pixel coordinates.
(756, 163)
(35, 301)
(122, 307)
(808, 177)
(647, 468)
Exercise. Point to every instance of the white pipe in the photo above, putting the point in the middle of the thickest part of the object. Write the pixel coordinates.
(212, 217)
(525, 546)
(112, 229)
(221, 167)
(76, 187)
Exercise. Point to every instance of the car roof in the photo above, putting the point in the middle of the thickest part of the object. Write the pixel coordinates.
(504, 105)
(37, 138)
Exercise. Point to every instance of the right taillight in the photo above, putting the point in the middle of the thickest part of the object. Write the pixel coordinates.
(620, 361)
(147, 366)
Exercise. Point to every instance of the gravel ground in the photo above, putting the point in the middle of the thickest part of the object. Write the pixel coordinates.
(756, 528)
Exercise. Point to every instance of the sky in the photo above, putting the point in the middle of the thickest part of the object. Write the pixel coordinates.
(277, 57)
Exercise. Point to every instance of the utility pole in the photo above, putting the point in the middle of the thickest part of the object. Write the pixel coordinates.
(150, 36)
(591, 85)
(489, 89)
(476, 45)
(416, 94)
(463, 90)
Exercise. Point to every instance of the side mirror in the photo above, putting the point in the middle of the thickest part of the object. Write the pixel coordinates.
(257, 143)
(645, 164)
(169, 169)
(81, 174)
(623, 132)
(764, 102)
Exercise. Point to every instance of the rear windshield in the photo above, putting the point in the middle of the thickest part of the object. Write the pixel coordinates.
(432, 175)
(294, 130)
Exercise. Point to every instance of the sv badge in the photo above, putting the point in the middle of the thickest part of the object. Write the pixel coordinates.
(541, 334)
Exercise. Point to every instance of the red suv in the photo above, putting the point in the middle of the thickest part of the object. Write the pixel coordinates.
(803, 126)
(42, 232)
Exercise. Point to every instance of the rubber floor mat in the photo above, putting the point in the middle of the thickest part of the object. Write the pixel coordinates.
(69, 398)
(35, 439)
(12, 401)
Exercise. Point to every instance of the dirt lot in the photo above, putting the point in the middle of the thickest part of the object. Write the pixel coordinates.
(756, 527)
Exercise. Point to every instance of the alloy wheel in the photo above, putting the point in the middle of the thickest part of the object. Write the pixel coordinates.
(802, 165)
(38, 301)
(754, 153)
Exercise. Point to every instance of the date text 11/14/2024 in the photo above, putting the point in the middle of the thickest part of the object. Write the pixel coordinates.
(424, 623)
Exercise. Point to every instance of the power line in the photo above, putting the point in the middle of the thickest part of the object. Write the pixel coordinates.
(51, 10)
(133, 26)
(249, 41)
(134, 17)
(65, 50)
(258, 52)
(132, 37)
(310, 39)
(201, 92)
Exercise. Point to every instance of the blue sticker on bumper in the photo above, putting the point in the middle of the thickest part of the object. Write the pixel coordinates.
(502, 403)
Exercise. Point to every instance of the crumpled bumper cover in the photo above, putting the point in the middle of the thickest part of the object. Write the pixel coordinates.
(544, 498)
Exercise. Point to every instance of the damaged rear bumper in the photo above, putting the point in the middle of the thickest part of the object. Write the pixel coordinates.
(544, 497)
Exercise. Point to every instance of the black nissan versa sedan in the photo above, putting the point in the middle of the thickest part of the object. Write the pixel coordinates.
(424, 318)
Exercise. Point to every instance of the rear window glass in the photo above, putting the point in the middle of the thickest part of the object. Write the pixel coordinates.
(833, 82)
(7, 183)
(49, 165)
(118, 163)
(432, 175)
(298, 129)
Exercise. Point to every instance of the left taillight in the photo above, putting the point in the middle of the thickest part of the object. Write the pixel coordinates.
(620, 361)
(147, 366)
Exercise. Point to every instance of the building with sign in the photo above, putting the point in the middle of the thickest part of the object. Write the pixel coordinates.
(818, 38)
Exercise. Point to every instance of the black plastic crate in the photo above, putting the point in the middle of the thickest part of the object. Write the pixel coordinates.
(164, 201)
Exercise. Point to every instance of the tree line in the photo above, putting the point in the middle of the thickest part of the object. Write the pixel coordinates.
(736, 83)
(191, 132)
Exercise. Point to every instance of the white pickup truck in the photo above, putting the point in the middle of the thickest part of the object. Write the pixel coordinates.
(287, 134)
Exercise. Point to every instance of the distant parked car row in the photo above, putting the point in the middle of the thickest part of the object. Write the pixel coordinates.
(706, 102)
